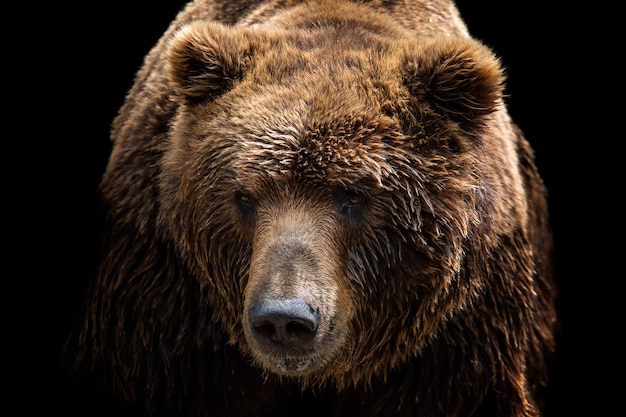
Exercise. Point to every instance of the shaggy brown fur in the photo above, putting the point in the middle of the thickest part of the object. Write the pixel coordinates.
(321, 208)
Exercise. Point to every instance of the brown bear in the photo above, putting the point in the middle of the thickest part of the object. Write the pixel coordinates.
(321, 208)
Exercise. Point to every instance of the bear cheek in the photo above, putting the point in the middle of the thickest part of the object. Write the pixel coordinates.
(295, 309)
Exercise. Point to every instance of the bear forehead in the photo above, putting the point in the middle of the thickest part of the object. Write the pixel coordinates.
(327, 120)
(297, 142)
(327, 101)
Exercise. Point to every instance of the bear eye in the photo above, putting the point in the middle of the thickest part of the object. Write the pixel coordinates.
(245, 202)
(353, 199)
(351, 203)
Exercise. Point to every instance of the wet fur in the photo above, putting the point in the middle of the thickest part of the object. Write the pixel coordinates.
(239, 147)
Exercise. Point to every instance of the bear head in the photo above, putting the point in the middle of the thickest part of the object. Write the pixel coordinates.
(335, 193)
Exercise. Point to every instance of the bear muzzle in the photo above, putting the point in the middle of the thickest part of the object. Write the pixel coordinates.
(292, 320)
(287, 336)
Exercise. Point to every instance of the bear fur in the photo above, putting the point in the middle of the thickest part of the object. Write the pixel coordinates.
(321, 208)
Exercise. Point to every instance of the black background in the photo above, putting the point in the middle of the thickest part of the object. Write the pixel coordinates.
(74, 73)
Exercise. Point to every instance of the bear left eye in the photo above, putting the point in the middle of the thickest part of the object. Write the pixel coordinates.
(353, 199)
(350, 203)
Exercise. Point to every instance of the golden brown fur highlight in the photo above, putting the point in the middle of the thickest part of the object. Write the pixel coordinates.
(321, 208)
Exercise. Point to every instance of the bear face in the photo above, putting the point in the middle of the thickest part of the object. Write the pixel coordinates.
(324, 175)
(326, 198)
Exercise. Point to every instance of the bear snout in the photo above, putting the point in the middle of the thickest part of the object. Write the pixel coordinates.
(294, 320)
(283, 323)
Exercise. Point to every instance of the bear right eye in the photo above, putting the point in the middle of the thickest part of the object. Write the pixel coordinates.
(245, 201)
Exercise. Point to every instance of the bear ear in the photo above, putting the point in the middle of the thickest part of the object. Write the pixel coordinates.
(459, 77)
(206, 59)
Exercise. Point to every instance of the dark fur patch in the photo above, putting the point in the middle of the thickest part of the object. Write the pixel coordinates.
(321, 208)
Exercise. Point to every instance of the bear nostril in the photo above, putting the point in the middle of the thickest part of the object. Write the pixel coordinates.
(284, 322)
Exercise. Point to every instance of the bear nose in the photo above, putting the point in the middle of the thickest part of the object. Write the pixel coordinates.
(283, 323)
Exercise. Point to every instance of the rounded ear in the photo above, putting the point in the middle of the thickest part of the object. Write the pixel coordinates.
(206, 59)
(458, 77)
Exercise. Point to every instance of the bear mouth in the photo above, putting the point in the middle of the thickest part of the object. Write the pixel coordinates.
(289, 337)
(289, 364)
(297, 361)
